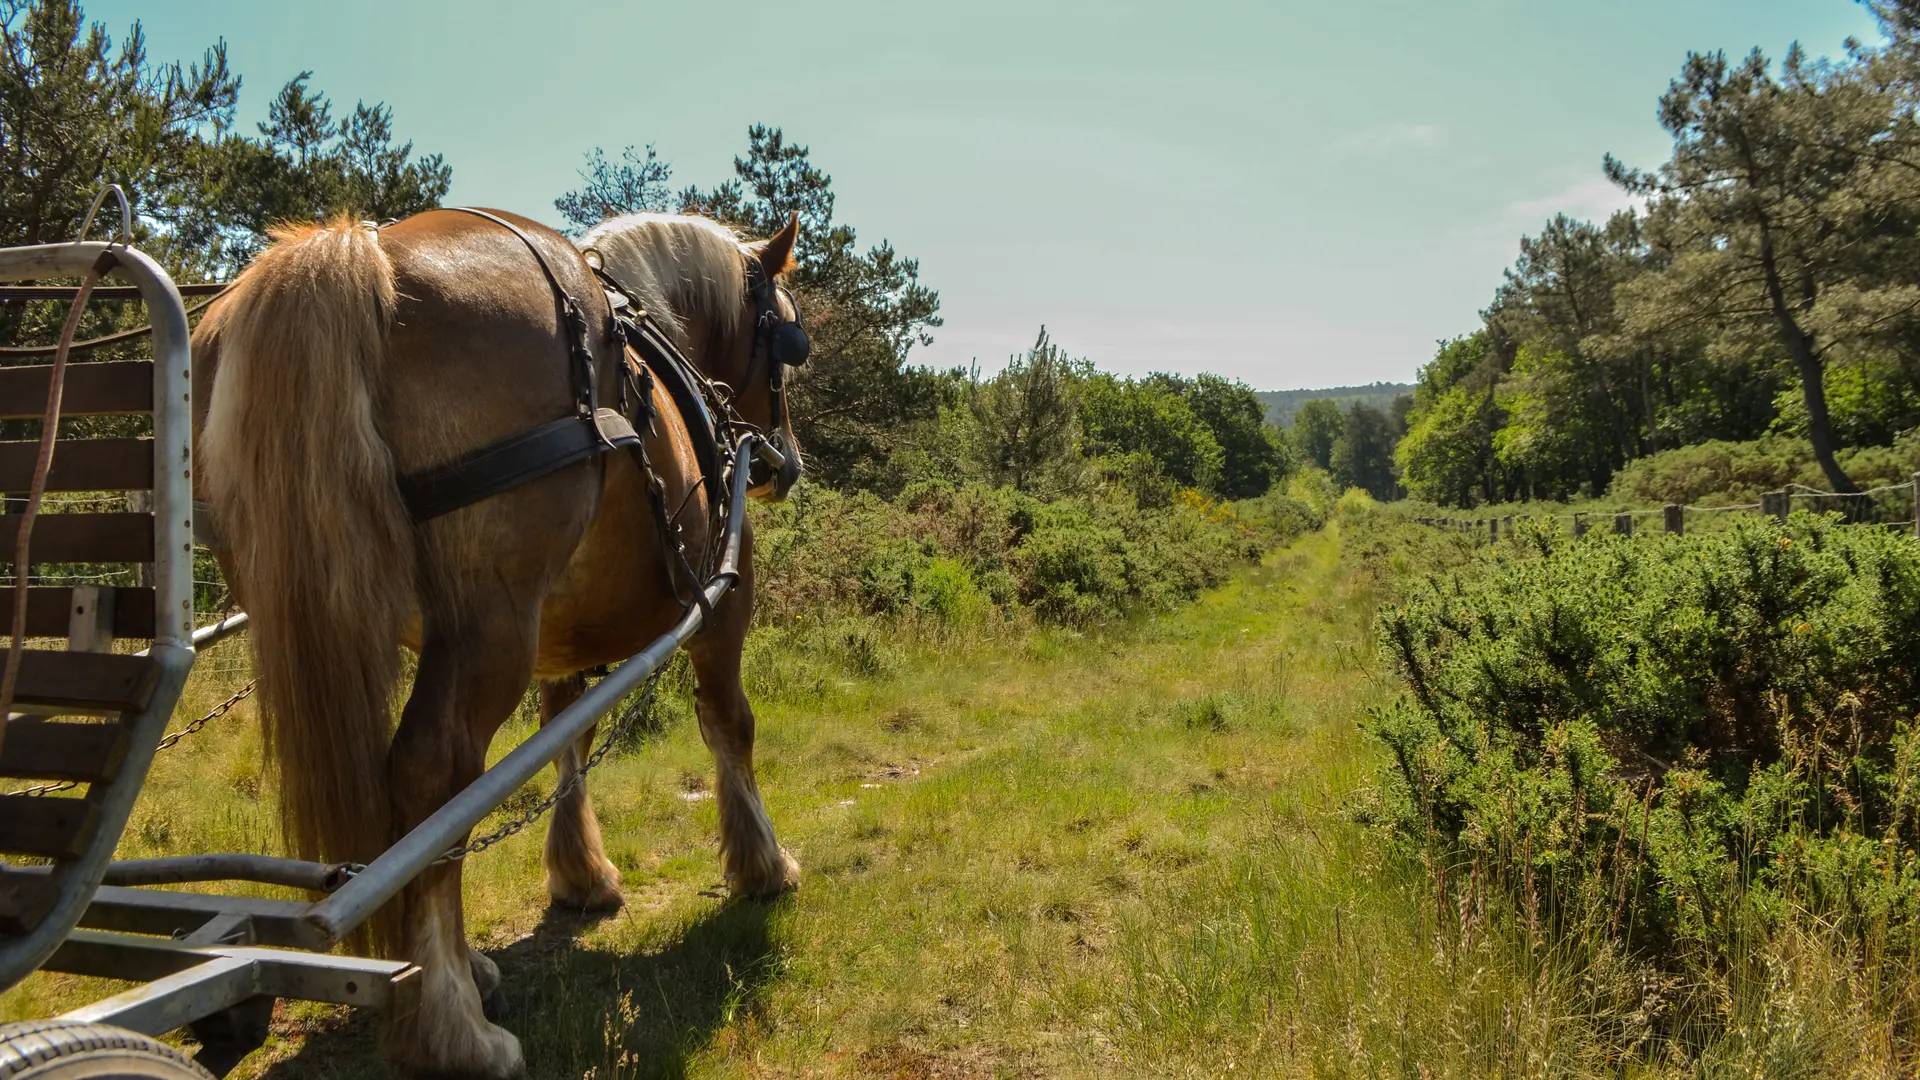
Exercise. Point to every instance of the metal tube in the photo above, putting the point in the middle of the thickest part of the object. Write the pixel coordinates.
(173, 566)
(266, 869)
(108, 292)
(221, 630)
(356, 901)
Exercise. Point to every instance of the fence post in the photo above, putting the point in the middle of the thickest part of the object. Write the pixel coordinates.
(1776, 504)
(1579, 524)
(1676, 516)
(1493, 530)
(1506, 526)
(1623, 524)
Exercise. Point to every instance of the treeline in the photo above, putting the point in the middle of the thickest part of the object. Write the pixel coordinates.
(871, 419)
(1767, 283)
(1098, 493)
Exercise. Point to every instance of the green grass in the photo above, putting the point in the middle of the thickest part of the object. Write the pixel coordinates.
(1027, 853)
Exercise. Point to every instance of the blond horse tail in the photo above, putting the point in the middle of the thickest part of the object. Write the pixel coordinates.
(322, 549)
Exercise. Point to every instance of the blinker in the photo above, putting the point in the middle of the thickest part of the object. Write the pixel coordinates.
(790, 345)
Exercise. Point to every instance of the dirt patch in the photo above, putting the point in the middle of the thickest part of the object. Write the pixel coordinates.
(897, 1062)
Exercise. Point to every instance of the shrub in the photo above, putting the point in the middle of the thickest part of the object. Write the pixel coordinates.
(960, 553)
(1671, 741)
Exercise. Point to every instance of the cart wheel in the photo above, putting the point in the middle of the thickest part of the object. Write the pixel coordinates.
(68, 1050)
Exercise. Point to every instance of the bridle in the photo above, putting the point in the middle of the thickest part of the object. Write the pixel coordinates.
(784, 343)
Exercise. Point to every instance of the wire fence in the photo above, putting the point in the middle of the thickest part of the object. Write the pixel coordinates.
(1858, 507)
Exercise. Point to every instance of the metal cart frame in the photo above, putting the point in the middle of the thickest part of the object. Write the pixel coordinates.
(217, 963)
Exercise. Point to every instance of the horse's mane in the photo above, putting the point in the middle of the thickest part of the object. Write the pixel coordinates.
(676, 265)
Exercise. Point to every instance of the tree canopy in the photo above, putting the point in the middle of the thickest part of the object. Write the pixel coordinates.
(1768, 280)
(78, 112)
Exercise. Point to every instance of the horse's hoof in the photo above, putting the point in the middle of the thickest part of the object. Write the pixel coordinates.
(768, 882)
(504, 1060)
(597, 897)
(490, 1052)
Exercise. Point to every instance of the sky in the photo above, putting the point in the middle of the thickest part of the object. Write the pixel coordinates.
(1292, 194)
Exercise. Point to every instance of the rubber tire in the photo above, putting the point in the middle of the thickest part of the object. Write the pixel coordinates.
(68, 1050)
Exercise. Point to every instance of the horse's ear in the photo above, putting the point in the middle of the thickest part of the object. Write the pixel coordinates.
(776, 255)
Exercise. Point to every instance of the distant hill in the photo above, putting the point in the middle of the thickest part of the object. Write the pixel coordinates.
(1282, 403)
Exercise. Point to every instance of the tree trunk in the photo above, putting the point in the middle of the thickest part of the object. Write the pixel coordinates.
(1646, 404)
(1819, 429)
(1812, 371)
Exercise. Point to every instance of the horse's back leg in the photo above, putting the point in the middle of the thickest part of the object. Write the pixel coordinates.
(473, 670)
(579, 874)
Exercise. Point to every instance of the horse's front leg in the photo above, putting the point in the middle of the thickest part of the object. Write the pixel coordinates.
(579, 874)
(755, 863)
(469, 682)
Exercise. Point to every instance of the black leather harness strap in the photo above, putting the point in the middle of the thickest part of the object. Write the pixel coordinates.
(529, 455)
(572, 315)
(515, 460)
(672, 368)
(524, 457)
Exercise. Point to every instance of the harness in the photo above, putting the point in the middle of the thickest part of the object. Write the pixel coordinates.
(647, 354)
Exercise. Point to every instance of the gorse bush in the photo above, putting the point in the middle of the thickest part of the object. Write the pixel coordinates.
(957, 553)
(1673, 744)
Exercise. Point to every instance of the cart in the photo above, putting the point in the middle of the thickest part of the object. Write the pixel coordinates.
(88, 720)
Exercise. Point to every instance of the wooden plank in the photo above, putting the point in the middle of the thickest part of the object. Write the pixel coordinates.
(43, 750)
(90, 619)
(104, 682)
(81, 465)
(93, 389)
(50, 606)
(64, 538)
(51, 828)
(25, 899)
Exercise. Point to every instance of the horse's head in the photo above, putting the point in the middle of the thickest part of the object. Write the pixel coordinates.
(770, 338)
(723, 302)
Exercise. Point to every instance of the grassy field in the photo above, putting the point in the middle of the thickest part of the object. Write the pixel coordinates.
(1030, 853)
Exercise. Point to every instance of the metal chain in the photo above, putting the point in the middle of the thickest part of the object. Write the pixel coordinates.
(614, 736)
(47, 789)
(218, 711)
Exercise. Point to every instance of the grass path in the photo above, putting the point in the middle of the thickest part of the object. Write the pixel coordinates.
(1052, 855)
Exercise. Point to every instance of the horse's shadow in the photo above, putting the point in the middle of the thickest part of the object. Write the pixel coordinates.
(575, 1009)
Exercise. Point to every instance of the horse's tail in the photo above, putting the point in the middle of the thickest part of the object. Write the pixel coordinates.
(322, 548)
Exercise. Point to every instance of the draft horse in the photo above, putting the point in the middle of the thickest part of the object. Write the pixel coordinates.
(348, 358)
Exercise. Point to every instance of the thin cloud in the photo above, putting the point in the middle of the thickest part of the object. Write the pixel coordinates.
(1387, 138)
(1593, 199)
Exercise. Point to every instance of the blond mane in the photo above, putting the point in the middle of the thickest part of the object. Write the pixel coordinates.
(676, 265)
